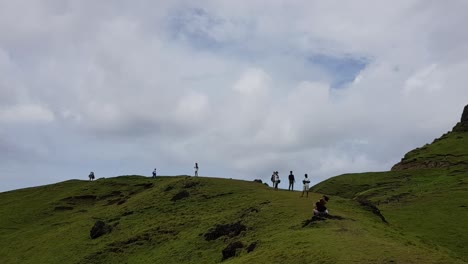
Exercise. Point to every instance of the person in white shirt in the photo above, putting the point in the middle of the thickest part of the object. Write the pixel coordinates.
(306, 182)
(277, 180)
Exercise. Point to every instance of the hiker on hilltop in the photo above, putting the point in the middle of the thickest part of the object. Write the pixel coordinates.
(306, 182)
(277, 180)
(273, 179)
(91, 176)
(320, 208)
(154, 173)
(291, 181)
(196, 169)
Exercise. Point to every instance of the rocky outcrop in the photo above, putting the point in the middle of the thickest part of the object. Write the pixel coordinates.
(435, 162)
(100, 228)
(462, 126)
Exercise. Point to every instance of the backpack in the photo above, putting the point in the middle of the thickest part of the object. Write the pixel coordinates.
(273, 178)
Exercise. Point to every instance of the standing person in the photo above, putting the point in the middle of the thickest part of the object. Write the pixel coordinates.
(273, 179)
(196, 169)
(154, 173)
(277, 180)
(306, 182)
(91, 176)
(291, 181)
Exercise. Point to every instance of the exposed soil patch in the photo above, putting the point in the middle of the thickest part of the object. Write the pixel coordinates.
(371, 207)
(127, 213)
(265, 202)
(112, 194)
(397, 198)
(317, 218)
(168, 188)
(145, 185)
(249, 211)
(153, 236)
(99, 229)
(230, 230)
(117, 201)
(215, 195)
(63, 208)
(191, 184)
(251, 247)
(232, 250)
(180, 195)
(80, 199)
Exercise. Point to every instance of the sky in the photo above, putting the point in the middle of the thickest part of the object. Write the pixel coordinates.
(244, 88)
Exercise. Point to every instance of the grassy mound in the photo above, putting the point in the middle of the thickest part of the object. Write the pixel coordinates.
(425, 195)
(182, 219)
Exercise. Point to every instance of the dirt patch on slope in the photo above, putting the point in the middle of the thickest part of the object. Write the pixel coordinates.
(229, 230)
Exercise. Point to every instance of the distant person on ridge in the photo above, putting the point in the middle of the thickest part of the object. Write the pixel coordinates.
(277, 180)
(91, 176)
(154, 173)
(273, 179)
(320, 208)
(291, 181)
(306, 182)
(196, 169)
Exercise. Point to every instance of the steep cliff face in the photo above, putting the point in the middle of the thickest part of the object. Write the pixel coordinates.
(462, 126)
(451, 149)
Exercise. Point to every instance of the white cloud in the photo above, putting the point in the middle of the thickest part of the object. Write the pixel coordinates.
(119, 86)
(26, 114)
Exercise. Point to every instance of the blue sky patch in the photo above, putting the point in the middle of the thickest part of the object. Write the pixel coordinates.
(342, 69)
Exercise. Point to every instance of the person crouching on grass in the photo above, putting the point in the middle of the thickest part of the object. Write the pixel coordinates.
(320, 208)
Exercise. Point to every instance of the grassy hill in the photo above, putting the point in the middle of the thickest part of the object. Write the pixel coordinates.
(193, 220)
(425, 195)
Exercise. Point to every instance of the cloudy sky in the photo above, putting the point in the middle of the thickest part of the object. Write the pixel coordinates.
(318, 87)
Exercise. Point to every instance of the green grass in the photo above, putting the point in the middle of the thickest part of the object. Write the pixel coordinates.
(159, 230)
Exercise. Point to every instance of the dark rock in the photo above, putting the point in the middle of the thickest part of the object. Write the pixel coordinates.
(232, 250)
(63, 208)
(464, 117)
(230, 230)
(180, 195)
(100, 228)
(251, 247)
(258, 180)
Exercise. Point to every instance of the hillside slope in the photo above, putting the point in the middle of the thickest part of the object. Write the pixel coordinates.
(425, 195)
(196, 220)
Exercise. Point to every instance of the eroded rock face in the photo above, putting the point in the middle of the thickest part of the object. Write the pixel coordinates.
(464, 117)
(100, 228)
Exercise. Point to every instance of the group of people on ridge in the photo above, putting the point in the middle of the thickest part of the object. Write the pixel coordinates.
(320, 209)
(276, 180)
